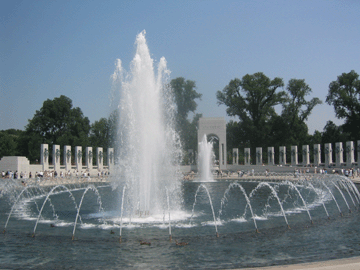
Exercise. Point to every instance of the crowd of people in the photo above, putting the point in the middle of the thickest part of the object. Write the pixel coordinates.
(51, 174)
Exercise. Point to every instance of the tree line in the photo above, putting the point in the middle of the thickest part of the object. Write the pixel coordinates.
(251, 99)
(57, 122)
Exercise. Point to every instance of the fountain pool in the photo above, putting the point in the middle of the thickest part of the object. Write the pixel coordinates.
(146, 217)
(297, 220)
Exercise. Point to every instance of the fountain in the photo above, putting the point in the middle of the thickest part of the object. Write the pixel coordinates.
(149, 148)
(206, 160)
(258, 220)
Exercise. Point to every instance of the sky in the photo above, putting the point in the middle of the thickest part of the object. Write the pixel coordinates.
(53, 48)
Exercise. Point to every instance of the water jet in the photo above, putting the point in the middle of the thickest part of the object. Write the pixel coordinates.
(144, 198)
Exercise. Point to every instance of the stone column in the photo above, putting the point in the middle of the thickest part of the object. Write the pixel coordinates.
(349, 154)
(99, 158)
(89, 157)
(259, 156)
(44, 156)
(282, 155)
(191, 156)
(306, 155)
(247, 156)
(339, 154)
(223, 155)
(358, 153)
(317, 154)
(56, 158)
(271, 154)
(294, 155)
(110, 158)
(78, 158)
(328, 154)
(67, 157)
(235, 156)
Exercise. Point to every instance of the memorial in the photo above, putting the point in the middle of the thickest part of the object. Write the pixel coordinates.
(145, 215)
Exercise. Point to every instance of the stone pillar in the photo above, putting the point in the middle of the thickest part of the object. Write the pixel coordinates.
(328, 154)
(358, 153)
(271, 155)
(44, 156)
(89, 157)
(78, 158)
(56, 158)
(349, 153)
(223, 156)
(259, 156)
(247, 156)
(110, 158)
(317, 154)
(282, 155)
(99, 158)
(294, 155)
(339, 154)
(191, 156)
(235, 156)
(306, 155)
(67, 157)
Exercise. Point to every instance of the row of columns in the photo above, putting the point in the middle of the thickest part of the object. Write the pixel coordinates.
(339, 155)
(44, 157)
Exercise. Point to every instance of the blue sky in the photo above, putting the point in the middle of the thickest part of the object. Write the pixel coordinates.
(53, 48)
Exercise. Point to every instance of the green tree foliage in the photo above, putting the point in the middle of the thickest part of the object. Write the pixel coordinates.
(252, 99)
(296, 106)
(290, 128)
(113, 122)
(333, 133)
(57, 122)
(185, 95)
(99, 133)
(344, 95)
(103, 133)
(9, 141)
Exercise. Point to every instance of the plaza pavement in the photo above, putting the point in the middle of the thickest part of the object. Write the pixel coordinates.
(337, 264)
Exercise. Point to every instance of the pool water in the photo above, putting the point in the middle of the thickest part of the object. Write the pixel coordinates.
(96, 241)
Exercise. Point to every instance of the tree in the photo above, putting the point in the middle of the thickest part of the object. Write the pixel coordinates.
(113, 123)
(333, 133)
(290, 128)
(57, 122)
(185, 95)
(252, 99)
(9, 142)
(103, 133)
(296, 106)
(99, 133)
(344, 95)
